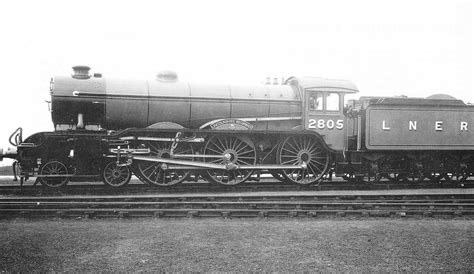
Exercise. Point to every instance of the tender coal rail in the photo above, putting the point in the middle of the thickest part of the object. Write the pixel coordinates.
(241, 205)
(201, 187)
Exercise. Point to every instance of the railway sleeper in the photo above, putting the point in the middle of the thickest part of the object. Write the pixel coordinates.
(174, 213)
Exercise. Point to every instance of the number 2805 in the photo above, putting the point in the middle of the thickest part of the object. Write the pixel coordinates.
(322, 124)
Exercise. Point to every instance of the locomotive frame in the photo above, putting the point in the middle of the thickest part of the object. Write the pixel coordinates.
(300, 132)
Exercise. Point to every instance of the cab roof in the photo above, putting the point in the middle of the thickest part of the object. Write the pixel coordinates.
(322, 84)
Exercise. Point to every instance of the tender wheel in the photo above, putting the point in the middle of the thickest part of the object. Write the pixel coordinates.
(233, 151)
(392, 177)
(116, 176)
(299, 150)
(446, 177)
(460, 173)
(440, 177)
(350, 177)
(461, 176)
(412, 177)
(370, 178)
(54, 168)
(159, 174)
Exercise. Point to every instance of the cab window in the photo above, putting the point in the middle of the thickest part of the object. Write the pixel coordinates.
(316, 101)
(332, 102)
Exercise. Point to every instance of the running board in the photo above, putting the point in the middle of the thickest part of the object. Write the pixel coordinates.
(155, 139)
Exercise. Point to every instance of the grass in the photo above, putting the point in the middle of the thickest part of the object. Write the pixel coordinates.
(424, 245)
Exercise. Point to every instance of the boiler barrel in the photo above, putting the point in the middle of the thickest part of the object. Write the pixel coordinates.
(118, 104)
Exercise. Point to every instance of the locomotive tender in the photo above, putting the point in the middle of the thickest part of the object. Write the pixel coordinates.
(166, 131)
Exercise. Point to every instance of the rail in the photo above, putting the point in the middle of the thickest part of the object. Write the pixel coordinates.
(272, 205)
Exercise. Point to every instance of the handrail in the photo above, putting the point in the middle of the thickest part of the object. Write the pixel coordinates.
(17, 135)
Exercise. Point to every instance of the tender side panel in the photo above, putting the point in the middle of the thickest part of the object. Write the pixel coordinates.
(419, 128)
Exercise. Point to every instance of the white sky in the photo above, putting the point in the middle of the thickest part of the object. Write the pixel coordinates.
(415, 48)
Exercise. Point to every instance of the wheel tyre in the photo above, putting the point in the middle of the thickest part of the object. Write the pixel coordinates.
(242, 151)
(116, 176)
(296, 150)
(152, 173)
(53, 167)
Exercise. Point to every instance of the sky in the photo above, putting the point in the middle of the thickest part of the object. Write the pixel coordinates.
(387, 48)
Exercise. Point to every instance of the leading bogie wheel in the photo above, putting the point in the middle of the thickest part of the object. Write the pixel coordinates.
(51, 174)
(306, 151)
(116, 176)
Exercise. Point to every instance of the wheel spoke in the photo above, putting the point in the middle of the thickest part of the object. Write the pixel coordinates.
(218, 152)
(318, 162)
(242, 153)
(53, 167)
(246, 152)
(242, 148)
(295, 150)
(303, 149)
(152, 173)
(312, 170)
(242, 162)
(222, 145)
(236, 144)
(290, 161)
(290, 151)
(216, 161)
(317, 167)
(146, 169)
(116, 176)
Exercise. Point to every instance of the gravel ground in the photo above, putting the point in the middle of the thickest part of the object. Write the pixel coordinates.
(237, 245)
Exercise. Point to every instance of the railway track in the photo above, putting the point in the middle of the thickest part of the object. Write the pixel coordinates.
(238, 205)
(97, 188)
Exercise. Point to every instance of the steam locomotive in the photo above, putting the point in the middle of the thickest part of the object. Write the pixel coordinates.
(301, 131)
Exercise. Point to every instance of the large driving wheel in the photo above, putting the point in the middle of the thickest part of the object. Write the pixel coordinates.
(307, 151)
(231, 151)
(52, 173)
(116, 176)
(156, 173)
